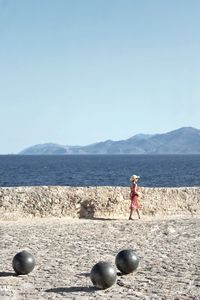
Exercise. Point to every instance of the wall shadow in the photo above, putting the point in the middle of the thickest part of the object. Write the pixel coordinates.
(105, 219)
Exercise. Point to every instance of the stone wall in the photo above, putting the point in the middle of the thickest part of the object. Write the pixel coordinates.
(94, 202)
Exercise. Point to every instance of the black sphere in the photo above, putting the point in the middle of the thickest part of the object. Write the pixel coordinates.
(23, 263)
(103, 275)
(127, 261)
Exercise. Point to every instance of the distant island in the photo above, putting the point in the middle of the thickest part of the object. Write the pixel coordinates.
(185, 140)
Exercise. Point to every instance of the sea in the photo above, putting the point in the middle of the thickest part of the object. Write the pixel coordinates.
(99, 170)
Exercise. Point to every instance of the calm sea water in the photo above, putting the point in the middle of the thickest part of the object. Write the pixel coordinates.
(100, 170)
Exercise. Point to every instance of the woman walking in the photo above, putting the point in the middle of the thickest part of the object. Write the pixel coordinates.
(135, 205)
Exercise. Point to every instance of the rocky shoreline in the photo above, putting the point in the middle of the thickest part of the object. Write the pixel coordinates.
(94, 202)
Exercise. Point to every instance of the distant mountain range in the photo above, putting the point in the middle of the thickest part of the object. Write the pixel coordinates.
(185, 140)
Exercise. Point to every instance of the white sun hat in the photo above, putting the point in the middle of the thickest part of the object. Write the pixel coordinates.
(133, 177)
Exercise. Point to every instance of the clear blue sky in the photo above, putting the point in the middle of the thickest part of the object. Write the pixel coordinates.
(75, 72)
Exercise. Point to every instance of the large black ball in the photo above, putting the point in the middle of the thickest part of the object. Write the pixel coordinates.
(23, 262)
(103, 275)
(127, 261)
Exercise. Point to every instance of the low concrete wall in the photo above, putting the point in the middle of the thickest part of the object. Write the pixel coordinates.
(94, 202)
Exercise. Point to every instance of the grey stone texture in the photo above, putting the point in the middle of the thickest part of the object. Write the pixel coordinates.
(66, 249)
(69, 229)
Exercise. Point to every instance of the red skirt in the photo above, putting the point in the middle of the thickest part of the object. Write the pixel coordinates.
(135, 204)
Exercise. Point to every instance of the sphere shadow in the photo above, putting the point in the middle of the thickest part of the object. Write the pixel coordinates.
(7, 274)
(73, 289)
(85, 274)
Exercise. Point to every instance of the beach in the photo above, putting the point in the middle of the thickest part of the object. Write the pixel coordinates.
(67, 246)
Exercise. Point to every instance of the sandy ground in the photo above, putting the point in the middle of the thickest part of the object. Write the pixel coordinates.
(65, 251)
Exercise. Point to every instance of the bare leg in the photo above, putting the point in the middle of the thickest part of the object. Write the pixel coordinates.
(137, 211)
(130, 216)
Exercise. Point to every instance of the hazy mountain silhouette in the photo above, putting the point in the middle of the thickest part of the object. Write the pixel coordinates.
(185, 140)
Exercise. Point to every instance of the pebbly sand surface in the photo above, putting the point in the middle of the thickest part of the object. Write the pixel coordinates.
(66, 249)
